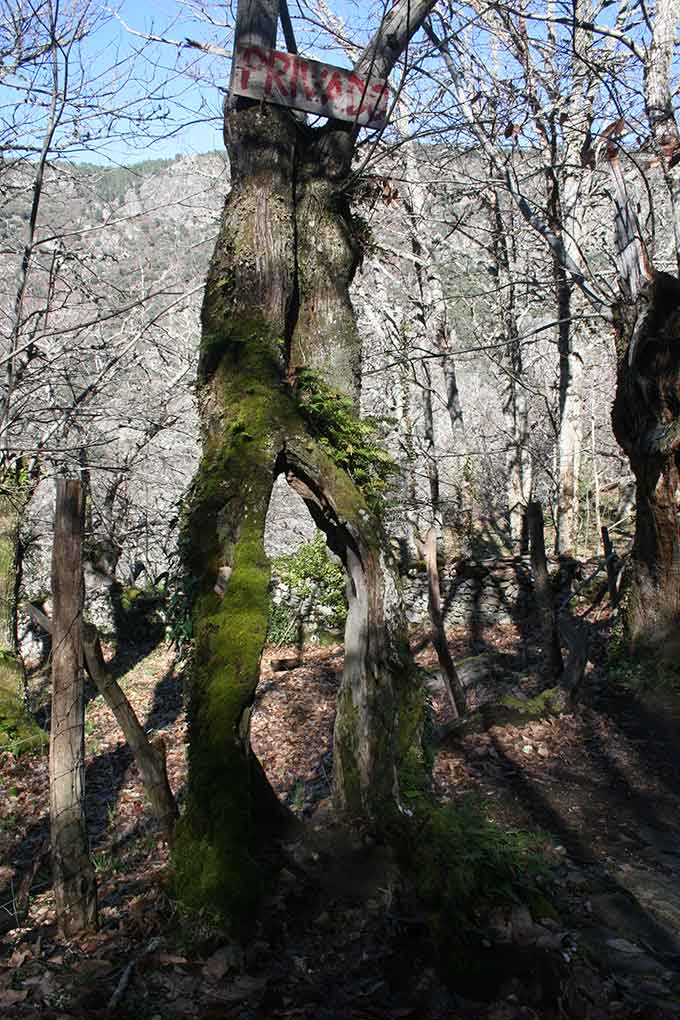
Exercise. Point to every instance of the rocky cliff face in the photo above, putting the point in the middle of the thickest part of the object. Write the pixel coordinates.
(151, 229)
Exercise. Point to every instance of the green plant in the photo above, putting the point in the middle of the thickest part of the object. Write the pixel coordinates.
(311, 571)
(352, 442)
(283, 625)
(640, 669)
(296, 799)
(179, 593)
(464, 862)
(106, 863)
(195, 931)
(177, 613)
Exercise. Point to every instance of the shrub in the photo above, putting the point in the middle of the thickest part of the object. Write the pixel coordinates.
(310, 571)
(352, 442)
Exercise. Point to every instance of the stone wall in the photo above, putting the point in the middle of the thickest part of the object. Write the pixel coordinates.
(473, 591)
(310, 619)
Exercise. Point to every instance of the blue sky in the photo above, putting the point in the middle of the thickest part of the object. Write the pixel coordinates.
(191, 83)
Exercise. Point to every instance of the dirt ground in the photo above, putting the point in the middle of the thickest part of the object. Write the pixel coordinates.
(338, 936)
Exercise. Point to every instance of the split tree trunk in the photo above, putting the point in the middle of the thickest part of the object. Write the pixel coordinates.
(253, 428)
(74, 881)
(276, 300)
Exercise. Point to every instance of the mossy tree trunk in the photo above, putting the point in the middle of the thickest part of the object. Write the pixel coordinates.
(277, 300)
(379, 712)
(16, 725)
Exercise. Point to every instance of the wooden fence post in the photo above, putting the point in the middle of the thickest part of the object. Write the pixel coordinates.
(75, 887)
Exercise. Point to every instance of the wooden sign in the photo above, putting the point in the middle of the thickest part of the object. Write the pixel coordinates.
(290, 80)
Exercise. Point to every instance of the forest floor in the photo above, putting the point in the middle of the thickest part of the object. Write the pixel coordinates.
(339, 937)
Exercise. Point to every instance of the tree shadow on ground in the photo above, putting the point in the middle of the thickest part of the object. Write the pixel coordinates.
(574, 836)
(597, 814)
(106, 773)
(126, 657)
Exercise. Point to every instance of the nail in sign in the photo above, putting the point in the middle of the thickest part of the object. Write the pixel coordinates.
(290, 80)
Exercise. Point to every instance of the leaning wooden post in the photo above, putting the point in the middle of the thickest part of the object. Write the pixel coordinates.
(454, 688)
(610, 563)
(149, 755)
(75, 888)
(553, 665)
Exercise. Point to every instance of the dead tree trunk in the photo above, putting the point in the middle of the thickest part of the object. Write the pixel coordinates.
(74, 881)
(454, 688)
(552, 654)
(149, 756)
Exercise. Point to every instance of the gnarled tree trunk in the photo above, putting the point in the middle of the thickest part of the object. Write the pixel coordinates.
(646, 421)
(646, 412)
(277, 300)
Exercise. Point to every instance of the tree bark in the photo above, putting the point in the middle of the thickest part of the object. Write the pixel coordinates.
(645, 415)
(516, 405)
(552, 654)
(277, 300)
(571, 202)
(74, 881)
(610, 563)
(454, 688)
(659, 105)
(646, 424)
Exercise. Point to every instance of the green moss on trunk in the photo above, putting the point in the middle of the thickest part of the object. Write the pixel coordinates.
(245, 413)
(19, 733)
(213, 854)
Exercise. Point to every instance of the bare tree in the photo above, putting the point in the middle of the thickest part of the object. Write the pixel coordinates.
(643, 310)
(74, 316)
(277, 324)
(555, 130)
